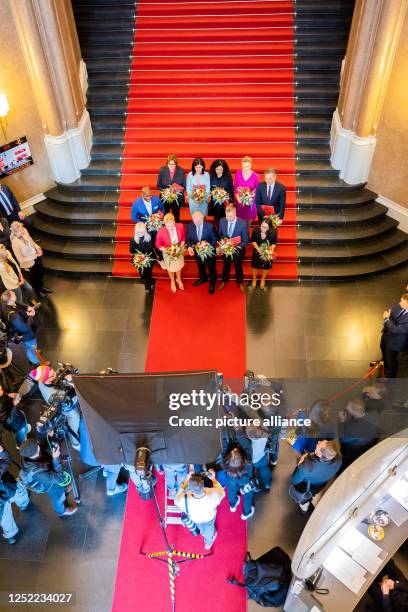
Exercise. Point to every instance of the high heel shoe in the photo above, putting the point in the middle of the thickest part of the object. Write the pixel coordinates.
(174, 288)
(180, 284)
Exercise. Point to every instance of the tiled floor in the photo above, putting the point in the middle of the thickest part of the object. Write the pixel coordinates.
(292, 331)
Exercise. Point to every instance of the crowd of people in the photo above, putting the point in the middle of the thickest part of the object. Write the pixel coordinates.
(160, 238)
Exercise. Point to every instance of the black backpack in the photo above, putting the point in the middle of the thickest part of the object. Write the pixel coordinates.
(267, 578)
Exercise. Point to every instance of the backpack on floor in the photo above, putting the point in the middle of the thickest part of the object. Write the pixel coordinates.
(267, 578)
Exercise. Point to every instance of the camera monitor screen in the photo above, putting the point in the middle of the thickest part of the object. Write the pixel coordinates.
(15, 156)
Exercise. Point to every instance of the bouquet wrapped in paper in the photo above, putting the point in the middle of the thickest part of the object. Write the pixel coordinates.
(267, 251)
(219, 195)
(174, 251)
(198, 193)
(226, 247)
(169, 195)
(275, 220)
(204, 249)
(245, 196)
(154, 221)
(141, 261)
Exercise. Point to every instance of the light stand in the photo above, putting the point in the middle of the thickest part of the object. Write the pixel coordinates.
(166, 556)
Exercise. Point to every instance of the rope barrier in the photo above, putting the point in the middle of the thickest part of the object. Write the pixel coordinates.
(378, 366)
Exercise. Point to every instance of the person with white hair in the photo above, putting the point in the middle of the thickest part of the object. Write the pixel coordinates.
(143, 243)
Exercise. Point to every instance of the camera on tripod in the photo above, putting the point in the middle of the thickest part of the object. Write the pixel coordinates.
(52, 417)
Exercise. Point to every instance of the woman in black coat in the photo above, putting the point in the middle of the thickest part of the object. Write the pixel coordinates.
(172, 174)
(143, 243)
(266, 233)
(220, 176)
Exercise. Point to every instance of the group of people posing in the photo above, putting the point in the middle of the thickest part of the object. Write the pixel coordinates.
(234, 204)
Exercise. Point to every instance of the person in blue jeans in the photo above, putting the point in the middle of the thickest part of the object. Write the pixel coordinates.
(41, 475)
(175, 474)
(239, 472)
(20, 319)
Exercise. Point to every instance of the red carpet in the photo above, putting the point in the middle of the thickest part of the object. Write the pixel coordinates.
(223, 72)
(142, 584)
(214, 79)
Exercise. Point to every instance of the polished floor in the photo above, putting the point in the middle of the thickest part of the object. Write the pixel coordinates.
(295, 331)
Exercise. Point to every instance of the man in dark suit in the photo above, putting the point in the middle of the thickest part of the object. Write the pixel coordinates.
(202, 230)
(144, 206)
(394, 337)
(172, 174)
(232, 227)
(270, 193)
(314, 470)
(9, 207)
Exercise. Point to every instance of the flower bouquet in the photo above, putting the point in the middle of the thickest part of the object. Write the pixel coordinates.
(275, 220)
(204, 249)
(245, 196)
(154, 221)
(198, 193)
(226, 247)
(169, 195)
(267, 252)
(175, 251)
(141, 261)
(220, 196)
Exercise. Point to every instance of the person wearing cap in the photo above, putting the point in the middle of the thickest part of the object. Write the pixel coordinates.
(45, 376)
(42, 475)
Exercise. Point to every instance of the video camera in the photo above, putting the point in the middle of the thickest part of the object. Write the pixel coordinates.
(52, 417)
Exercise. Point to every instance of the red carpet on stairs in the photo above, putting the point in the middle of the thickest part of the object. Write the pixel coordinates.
(223, 72)
(211, 79)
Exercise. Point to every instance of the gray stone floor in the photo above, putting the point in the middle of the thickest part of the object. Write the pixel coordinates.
(294, 330)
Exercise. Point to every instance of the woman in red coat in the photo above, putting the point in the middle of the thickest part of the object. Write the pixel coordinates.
(172, 233)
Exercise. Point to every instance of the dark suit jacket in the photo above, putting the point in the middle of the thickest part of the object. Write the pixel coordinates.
(278, 200)
(316, 471)
(13, 216)
(358, 435)
(395, 329)
(240, 229)
(209, 233)
(139, 210)
(163, 180)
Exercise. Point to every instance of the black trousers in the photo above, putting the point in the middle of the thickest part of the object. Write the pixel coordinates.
(36, 275)
(207, 268)
(146, 276)
(390, 358)
(175, 207)
(237, 261)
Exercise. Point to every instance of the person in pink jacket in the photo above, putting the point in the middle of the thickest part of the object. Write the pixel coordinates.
(172, 233)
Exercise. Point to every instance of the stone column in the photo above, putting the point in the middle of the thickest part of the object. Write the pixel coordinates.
(51, 55)
(370, 53)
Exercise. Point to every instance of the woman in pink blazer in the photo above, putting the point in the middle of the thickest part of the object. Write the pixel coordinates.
(171, 233)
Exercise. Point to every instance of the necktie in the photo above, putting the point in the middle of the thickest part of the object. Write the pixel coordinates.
(199, 232)
(269, 192)
(6, 203)
(230, 229)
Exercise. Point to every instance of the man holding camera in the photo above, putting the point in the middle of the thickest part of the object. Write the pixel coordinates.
(200, 504)
(20, 320)
(47, 380)
(11, 491)
(42, 474)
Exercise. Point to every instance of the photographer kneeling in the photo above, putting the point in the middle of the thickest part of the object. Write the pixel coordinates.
(50, 383)
(42, 473)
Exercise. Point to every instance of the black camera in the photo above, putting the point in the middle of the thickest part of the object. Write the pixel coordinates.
(52, 415)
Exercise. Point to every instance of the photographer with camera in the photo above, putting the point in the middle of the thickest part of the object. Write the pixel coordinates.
(44, 473)
(57, 386)
(200, 504)
(20, 320)
(12, 418)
